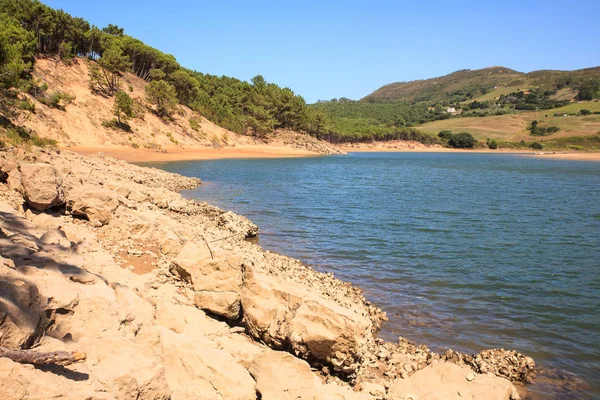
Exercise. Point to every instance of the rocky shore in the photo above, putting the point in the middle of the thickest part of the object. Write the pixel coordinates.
(159, 297)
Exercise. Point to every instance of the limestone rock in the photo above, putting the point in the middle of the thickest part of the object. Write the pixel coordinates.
(42, 186)
(55, 236)
(218, 286)
(92, 202)
(281, 376)
(284, 313)
(21, 313)
(196, 369)
(446, 381)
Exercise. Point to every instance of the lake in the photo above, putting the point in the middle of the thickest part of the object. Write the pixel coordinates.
(465, 251)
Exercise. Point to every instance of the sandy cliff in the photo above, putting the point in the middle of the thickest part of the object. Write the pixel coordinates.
(168, 299)
(79, 125)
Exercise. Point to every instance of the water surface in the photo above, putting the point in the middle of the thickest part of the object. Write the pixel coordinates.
(464, 251)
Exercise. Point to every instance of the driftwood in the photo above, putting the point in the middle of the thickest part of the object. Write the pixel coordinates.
(39, 358)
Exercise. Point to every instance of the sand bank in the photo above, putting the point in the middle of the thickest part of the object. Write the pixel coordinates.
(195, 153)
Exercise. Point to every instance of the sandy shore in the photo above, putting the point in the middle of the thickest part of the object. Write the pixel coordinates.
(571, 156)
(195, 153)
(580, 156)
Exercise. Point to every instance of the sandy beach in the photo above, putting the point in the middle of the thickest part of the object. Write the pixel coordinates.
(195, 153)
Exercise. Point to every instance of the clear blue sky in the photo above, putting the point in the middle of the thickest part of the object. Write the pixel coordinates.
(325, 49)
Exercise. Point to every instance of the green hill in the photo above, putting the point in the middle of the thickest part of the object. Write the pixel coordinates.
(467, 84)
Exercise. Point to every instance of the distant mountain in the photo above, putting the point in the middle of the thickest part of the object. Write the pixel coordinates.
(470, 84)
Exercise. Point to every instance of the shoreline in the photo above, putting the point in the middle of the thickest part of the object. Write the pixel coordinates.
(137, 248)
(280, 151)
(132, 155)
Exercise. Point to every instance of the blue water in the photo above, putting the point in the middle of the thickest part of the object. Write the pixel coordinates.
(463, 251)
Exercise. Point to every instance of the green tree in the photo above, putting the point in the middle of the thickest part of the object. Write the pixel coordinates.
(186, 86)
(163, 95)
(463, 140)
(122, 107)
(445, 134)
(113, 63)
(156, 74)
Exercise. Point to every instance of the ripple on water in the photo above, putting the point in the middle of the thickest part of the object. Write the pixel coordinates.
(464, 251)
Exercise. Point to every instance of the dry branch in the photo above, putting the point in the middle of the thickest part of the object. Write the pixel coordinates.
(39, 358)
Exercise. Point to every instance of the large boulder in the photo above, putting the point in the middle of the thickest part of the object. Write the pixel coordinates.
(285, 314)
(446, 381)
(281, 376)
(21, 314)
(41, 186)
(217, 283)
(218, 286)
(196, 369)
(92, 202)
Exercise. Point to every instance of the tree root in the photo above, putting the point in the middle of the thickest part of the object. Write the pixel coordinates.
(39, 358)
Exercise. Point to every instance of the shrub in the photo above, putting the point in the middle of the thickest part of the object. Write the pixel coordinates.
(445, 134)
(463, 140)
(115, 124)
(58, 100)
(552, 129)
(493, 145)
(27, 105)
(195, 124)
(536, 146)
(584, 112)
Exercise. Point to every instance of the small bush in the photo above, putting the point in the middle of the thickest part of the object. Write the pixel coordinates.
(493, 145)
(58, 100)
(130, 88)
(552, 129)
(463, 140)
(172, 139)
(135, 145)
(195, 124)
(42, 142)
(114, 124)
(536, 146)
(445, 134)
(27, 105)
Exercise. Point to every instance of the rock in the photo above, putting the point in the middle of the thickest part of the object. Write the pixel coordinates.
(446, 381)
(94, 203)
(218, 286)
(42, 186)
(508, 364)
(195, 368)
(281, 376)
(55, 236)
(21, 315)
(187, 259)
(284, 313)
(217, 283)
(238, 225)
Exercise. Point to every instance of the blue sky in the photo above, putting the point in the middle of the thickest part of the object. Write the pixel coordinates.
(331, 49)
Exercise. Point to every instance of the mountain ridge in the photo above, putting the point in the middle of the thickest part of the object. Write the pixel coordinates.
(472, 82)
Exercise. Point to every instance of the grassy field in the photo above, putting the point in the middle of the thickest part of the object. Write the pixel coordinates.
(513, 127)
(502, 90)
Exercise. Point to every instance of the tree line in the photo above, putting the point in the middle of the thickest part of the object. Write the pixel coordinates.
(30, 28)
(257, 107)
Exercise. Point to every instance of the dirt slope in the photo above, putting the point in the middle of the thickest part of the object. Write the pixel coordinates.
(79, 125)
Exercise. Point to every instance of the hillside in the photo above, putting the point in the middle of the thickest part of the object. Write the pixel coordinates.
(576, 132)
(80, 124)
(65, 80)
(468, 84)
